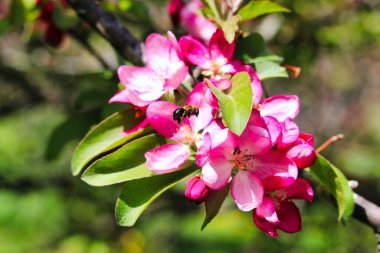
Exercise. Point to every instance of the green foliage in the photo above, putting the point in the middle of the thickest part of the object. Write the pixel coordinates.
(335, 183)
(229, 27)
(126, 163)
(214, 202)
(138, 194)
(257, 8)
(107, 135)
(237, 105)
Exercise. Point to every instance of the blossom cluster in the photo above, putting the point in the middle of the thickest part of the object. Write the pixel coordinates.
(260, 166)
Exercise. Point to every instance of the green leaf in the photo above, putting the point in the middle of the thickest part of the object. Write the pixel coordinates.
(107, 135)
(270, 69)
(229, 27)
(257, 8)
(237, 105)
(210, 4)
(214, 203)
(272, 58)
(336, 183)
(138, 194)
(125, 164)
(17, 12)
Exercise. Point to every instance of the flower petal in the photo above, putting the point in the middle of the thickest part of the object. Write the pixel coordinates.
(289, 134)
(247, 190)
(276, 164)
(280, 107)
(216, 173)
(303, 155)
(265, 226)
(167, 158)
(300, 189)
(289, 216)
(219, 48)
(160, 117)
(267, 210)
(195, 52)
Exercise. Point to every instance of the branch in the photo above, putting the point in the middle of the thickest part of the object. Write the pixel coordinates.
(110, 28)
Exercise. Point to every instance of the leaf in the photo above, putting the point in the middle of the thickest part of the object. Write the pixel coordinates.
(257, 8)
(237, 105)
(17, 12)
(270, 69)
(214, 203)
(138, 194)
(229, 27)
(107, 135)
(127, 163)
(336, 183)
(210, 4)
(250, 47)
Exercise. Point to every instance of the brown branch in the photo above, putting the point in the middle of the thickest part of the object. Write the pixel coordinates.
(108, 26)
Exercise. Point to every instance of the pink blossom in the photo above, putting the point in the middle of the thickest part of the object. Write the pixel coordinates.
(302, 151)
(277, 211)
(164, 71)
(216, 60)
(250, 159)
(280, 107)
(196, 190)
(189, 134)
(189, 17)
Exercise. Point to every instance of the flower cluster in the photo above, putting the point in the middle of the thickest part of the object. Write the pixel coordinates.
(260, 165)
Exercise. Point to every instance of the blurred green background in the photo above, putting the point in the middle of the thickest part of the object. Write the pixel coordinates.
(49, 98)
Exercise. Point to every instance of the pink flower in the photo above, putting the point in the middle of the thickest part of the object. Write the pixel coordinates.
(250, 159)
(302, 151)
(196, 190)
(165, 71)
(190, 19)
(213, 61)
(277, 211)
(189, 134)
(280, 107)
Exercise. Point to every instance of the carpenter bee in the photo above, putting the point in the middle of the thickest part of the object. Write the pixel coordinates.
(186, 111)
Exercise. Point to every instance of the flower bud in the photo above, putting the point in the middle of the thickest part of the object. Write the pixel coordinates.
(196, 190)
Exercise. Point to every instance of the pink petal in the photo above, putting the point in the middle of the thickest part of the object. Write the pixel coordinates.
(142, 85)
(160, 117)
(289, 134)
(203, 150)
(280, 107)
(247, 190)
(274, 128)
(308, 138)
(267, 210)
(265, 226)
(195, 52)
(289, 216)
(121, 96)
(202, 96)
(157, 50)
(232, 67)
(167, 158)
(274, 163)
(300, 189)
(221, 82)
(303, 155)
(216, 173)
(220, 48)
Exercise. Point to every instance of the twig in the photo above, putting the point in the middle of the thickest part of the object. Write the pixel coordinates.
(329, 141)
(110, 28)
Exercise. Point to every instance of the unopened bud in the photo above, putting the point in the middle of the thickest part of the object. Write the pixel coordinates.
(196, 190)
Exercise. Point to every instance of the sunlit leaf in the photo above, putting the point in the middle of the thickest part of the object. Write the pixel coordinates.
(127, 163)
(107, 135)
(138, 194)
(270, 69)
(229, 27)
(237, 105)
(257, 8)
(214, 203)
(335, 183)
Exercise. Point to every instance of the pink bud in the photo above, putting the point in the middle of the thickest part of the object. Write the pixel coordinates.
(196, 190)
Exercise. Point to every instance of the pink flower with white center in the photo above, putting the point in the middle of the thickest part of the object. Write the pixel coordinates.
(196, 190)
(189, 133)
(164, 71)
(213, 61)
(190, 19)
(250, 159)
(277, 211)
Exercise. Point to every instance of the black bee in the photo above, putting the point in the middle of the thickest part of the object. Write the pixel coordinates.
(185, 111)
